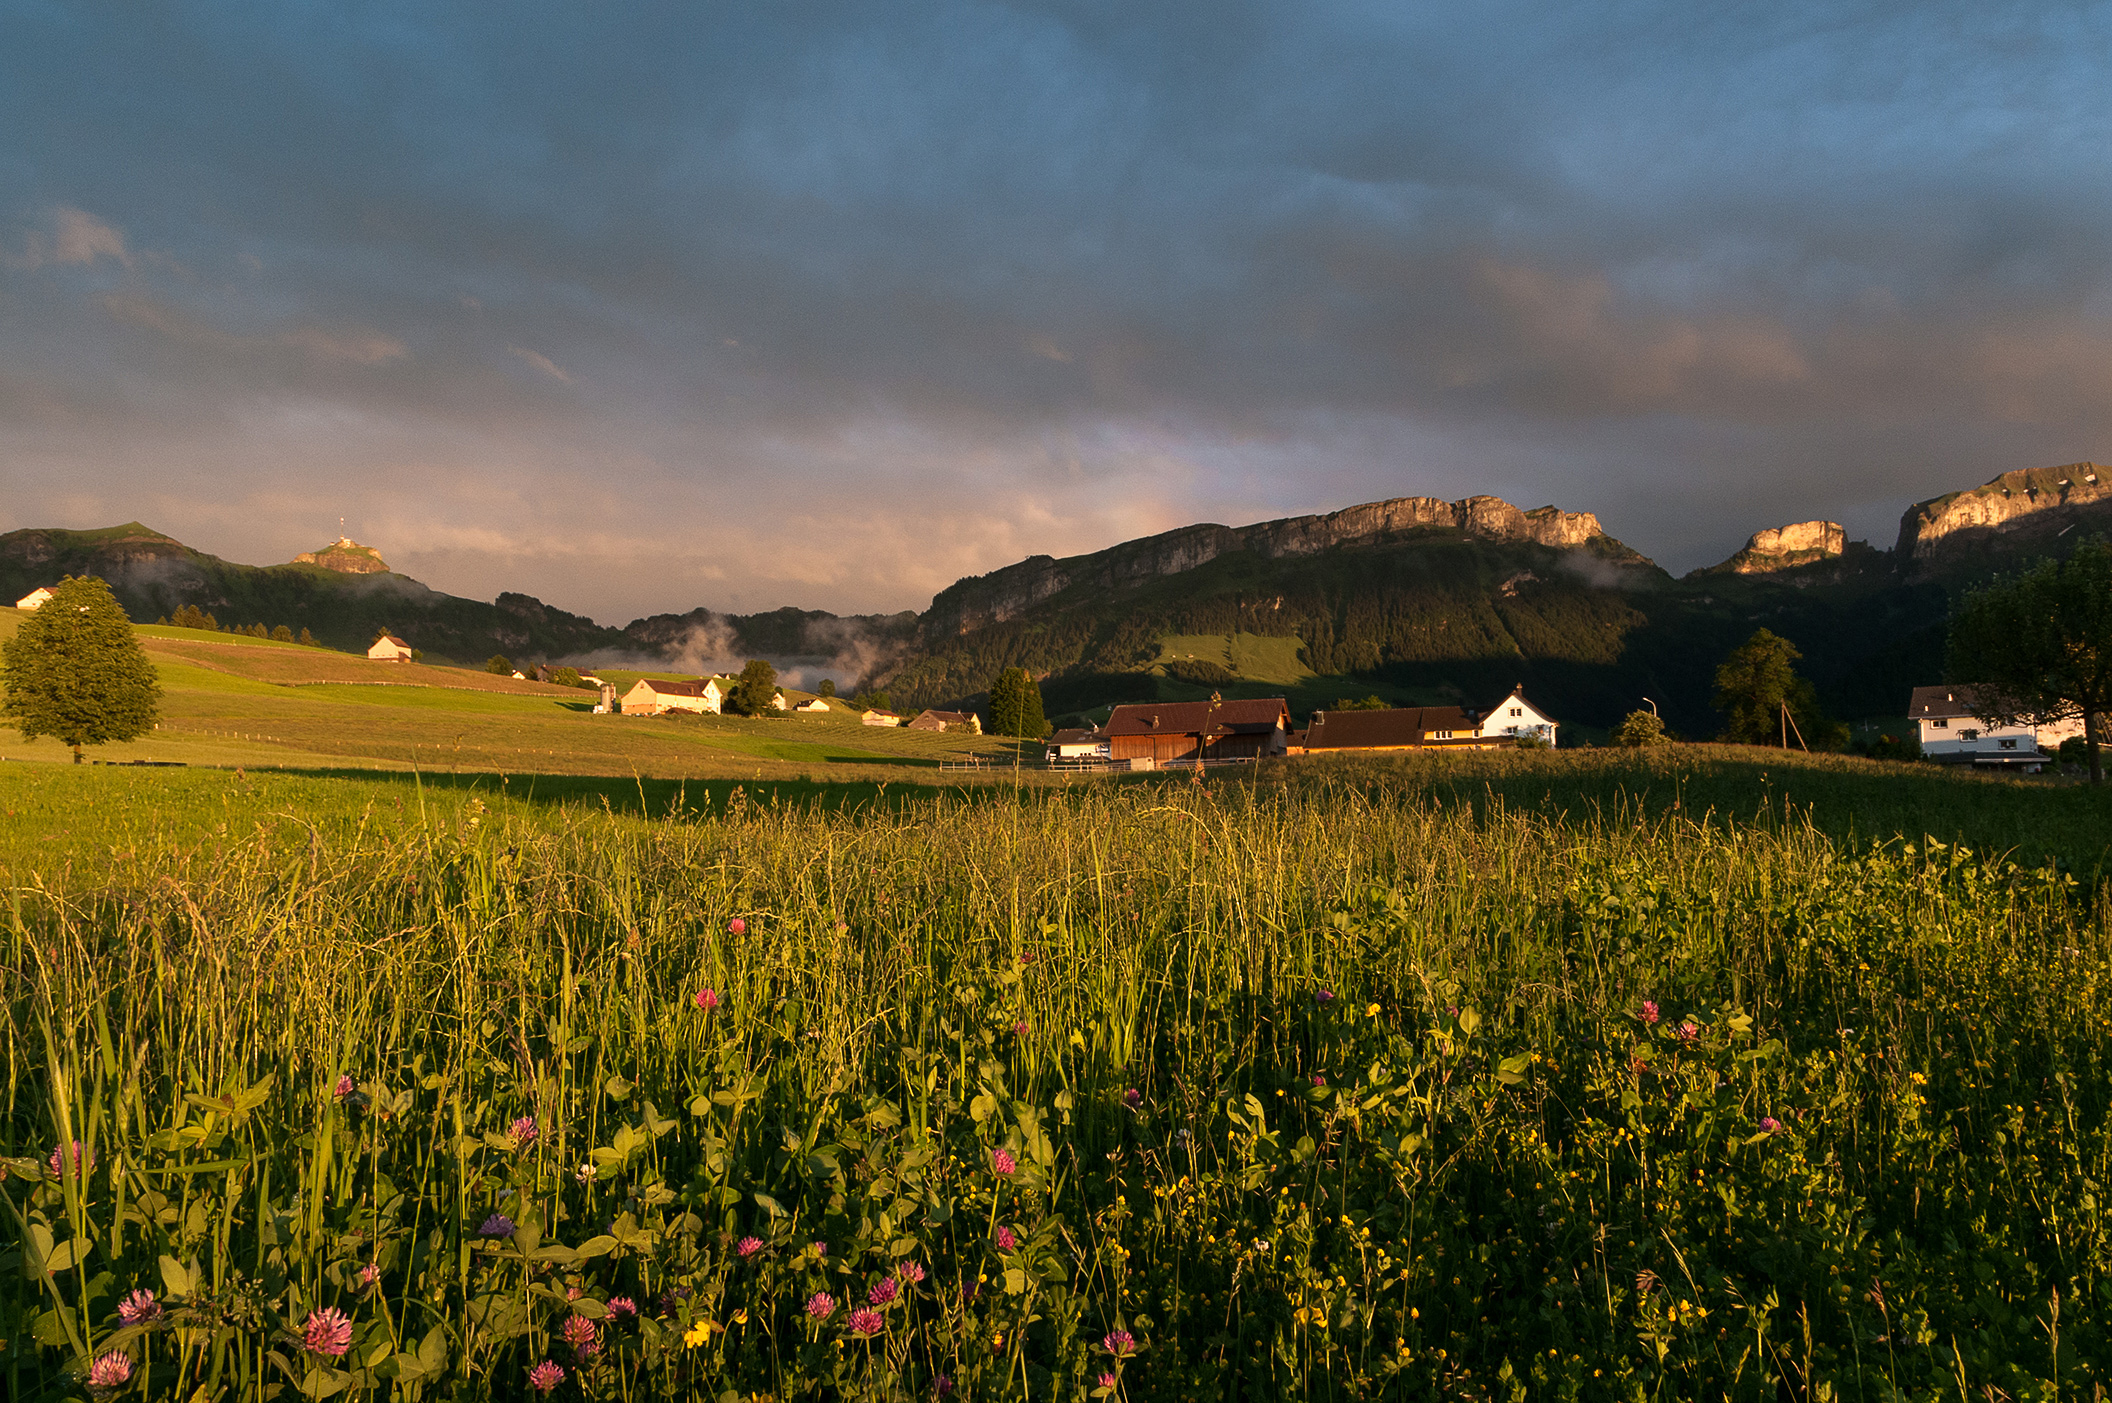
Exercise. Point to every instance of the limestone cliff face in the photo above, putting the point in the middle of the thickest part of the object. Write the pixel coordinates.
(347, 557)
(1004, 594)
(2031, 507)
(1785, 547)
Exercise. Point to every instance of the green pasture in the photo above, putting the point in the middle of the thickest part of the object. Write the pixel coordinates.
(1697, 1074)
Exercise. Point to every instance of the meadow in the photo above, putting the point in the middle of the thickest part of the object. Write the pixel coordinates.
(1699, 1074)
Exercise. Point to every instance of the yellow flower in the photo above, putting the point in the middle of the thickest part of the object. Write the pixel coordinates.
(696, 1334)
(740, 1317)
(1372, 1011)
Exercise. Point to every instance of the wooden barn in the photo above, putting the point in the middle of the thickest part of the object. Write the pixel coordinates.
(1172, 732)
(1397, 728)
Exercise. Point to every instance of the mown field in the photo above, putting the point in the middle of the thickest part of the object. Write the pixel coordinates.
(232, 701)
(1703, 1074)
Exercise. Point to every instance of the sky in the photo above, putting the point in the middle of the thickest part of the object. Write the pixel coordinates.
(640, 308)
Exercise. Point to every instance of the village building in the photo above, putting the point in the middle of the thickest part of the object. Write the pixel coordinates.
(1164, 733)
(1953, 734)
(876, 717)
(1396, 728)
(1075, 746)
(816, 704)
(653, 696)
(390, 649)
(35, 598)
(1514, 718)
(928, 720)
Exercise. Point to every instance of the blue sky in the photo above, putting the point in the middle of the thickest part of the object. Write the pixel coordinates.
(639, 308)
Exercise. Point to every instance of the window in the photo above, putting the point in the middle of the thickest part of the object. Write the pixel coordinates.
(1441, 735)
(1941, 725)
(1970, 734)
(2007, 743)
(1516, 711)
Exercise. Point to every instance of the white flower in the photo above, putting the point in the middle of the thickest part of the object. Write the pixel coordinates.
(586, 1172)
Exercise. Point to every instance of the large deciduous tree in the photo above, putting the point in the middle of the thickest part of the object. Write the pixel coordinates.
(2037, 647)
(75, 671)
(754, 689)
(1758, 683)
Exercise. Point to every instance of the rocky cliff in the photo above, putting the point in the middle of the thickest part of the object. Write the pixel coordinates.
(347, 557)
(2031, 508)
(981, 600)
(1785, 547)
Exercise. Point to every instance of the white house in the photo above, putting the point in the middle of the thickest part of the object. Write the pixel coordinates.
(816, 704)
(652, 696)
(877, 717)
(1951, 733)
(1515, 718)
(35, 598)
(1074, 747)
(390, 649)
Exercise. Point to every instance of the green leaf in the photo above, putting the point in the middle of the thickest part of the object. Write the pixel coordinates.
(1015, 1281)
(68, 1254)
(176, 1279)
(1511, 1070)
(432, 1350)
(769, 1205)
(618, 1088)
(590, 1308)
(595, 1247)
(982, 1107)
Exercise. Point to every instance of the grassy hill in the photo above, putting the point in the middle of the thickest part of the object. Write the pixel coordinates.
(252, 702)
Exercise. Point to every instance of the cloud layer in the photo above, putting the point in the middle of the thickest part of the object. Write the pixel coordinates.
(828, 304)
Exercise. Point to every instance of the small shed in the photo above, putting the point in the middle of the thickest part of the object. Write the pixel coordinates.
(390, 649)
(35, 598)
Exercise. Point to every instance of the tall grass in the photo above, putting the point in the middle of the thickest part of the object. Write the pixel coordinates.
(1330, 1090)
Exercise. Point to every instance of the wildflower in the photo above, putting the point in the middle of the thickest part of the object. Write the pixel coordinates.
(622, 1308)
(1371, 1010)
(1769, 1125)
(1649, 1014)
(884, 1290)
(1007, 1240)
(1019, 1029)
(736, 926)
(821, 1305)
(587, 1172)
(695, 1335)
(707, 999)
(110, 1372)
(327, 1331)
(821, 1249)
(497, 1225)
(1002, 1161)
(941, 1386)
(748, 1246)
(1133, 1098)
(573, 1293)
(1105, 1380)
(343, 1087)
(1326, 996)
(1028, 957)
(370, 1276)
(1688, 1032)
(1119, 1343)
(83, 1165)
(1319, 1079)
(545, 1377)
(867, 1322)
(583, 1335)
(1261, 1244)
(139, 1308)
(910, 1272)
(523, 1132)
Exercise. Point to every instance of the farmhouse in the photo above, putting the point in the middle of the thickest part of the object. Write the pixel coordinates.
(814, 704)
(1399, 728)
(1514, 718)
(1074, 746)
(928, 720)
(653, 696)
(1952, 734)
(35, 598)
(1170, 732)
(876, 717)
(390, 649)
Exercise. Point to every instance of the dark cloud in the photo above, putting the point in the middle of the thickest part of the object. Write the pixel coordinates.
(825, 304)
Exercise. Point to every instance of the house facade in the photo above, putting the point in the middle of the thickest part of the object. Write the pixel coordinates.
(1514, 719)
(1164, 733)
(390, 649)
(1953, 734)
(34, 599)
(877, 717)
(947, 721)
(1070, 747)
(1397, 728)
(651, 696)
